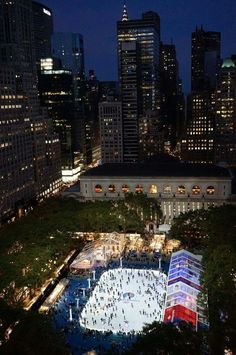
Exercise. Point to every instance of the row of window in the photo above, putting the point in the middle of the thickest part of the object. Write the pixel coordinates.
(153, 189)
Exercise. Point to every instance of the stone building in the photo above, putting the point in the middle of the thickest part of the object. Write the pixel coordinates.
(179, 187)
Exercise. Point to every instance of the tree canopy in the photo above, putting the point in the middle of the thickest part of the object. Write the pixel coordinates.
(32, 333)
(168, 339)
(33, 247)
(214, 233)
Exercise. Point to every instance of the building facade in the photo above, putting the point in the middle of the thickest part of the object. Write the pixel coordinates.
(206, 59)
(29, 150)
(178, 187)
(146, 32)
(69, 48)
(198, 141)
(197, 145)
(225, 127)
(56, 92)
(43, 30)
(138, 60)
(110, 116)
(172, 98)
(130, 97)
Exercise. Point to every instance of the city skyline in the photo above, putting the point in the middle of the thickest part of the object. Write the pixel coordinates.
(97, 23)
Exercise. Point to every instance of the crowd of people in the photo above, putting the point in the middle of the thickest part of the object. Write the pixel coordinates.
(124, 300)
(134, 294)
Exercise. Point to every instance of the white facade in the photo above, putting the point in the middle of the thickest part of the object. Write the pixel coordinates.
(176, 194)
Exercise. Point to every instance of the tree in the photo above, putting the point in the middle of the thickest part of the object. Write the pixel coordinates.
(168, 339)
(214, 232)
(145, 207)
(32, 333)
(190, 229)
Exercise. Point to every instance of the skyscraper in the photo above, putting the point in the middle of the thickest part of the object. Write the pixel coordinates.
(146, 32)
(172, 99)
(110, 116)
(69, 48)
(130, 97)
(138, 58)
(205, 59)
(198, 142)
(43, 30)
(225, 131)
(29, 150)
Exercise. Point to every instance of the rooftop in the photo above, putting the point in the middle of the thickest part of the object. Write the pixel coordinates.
(228, 63)
(161, 170)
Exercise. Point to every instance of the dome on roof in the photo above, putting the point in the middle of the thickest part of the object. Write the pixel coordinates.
(228, 63)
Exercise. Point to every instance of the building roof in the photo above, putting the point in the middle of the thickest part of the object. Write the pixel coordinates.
(228, 63)
(158, 170)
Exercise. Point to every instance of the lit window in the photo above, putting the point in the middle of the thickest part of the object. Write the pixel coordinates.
(139, 189)
(152, 189)
(98, 188)
(111, 188)
(125, 188)
(181, 190)
(210, 190)
(196, 190)
(167, 189)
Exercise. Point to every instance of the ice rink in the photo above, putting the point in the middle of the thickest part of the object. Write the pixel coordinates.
(124, 300)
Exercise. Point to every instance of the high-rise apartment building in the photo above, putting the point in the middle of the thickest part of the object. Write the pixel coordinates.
(110, 116)
(138, 58)
(198, 142)
(69, 48)
(225, 131)
(43, 30)
(29, 150)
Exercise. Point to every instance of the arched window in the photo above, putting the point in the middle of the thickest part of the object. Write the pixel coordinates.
(167, 189)
(210, 190)
(139, 189)
(153, 189)
(196, 190)
(181, 190)
(125, 188)
(98, 188)
(112, 188)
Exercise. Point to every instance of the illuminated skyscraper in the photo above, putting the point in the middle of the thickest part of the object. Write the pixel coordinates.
(198, 142)
(225, 144)
(138, 58)
(146, 32)
(110, 116)
(43, 30)
(129, 56)
(29, 150)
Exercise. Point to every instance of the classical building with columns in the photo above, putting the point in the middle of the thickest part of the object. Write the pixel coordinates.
(179, 187)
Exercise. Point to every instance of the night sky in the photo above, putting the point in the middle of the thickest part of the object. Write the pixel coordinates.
(96, 20)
